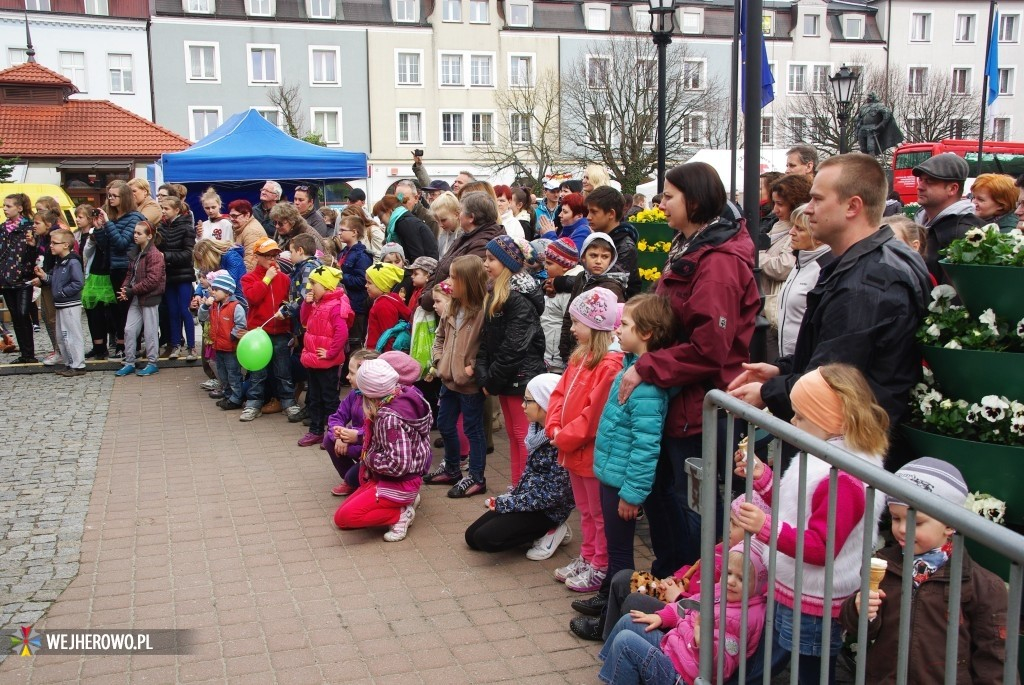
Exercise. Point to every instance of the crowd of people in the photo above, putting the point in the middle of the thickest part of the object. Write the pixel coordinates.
(443, 306)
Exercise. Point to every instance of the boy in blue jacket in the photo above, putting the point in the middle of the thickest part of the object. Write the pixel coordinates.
(627, 447)
(66, 282)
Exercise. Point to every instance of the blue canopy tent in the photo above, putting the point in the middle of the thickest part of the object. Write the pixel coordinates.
(248, 148)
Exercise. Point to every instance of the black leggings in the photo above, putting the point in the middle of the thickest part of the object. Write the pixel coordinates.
(19, 301)
(494, 532)
(101, 320)
(117, 277)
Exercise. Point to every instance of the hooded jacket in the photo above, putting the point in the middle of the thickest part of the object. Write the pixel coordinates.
(117, 238)
(17, 257)
(233, 261)
(981, 632)
(398, 447)
(264, 299)
(612, 278)
(146, 279)
(298, 279)
(792, 299)
(712, 291)
(326, 323)
(385, 312)
(512, 343)
(413, 235)
(456, 347)
(625, 238)
(353, 262)
(177, 240)
(66, 281)
(349, 415)
(864, 311)
(467, 243)
(951, 223)
(776, 264)
(555, 307)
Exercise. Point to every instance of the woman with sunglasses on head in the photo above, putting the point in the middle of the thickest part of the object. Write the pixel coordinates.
(114, 231)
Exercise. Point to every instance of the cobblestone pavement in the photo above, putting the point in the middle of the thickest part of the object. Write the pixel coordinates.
(52, 432)
(199, 521)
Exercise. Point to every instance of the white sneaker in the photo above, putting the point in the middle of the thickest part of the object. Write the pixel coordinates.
(400, 529)
(191, 355)
(570, 570)
(175, 352)
(53, 359)
(212, 384)
(292, 411)
(250, 414)
(545, 546)
(588, 581)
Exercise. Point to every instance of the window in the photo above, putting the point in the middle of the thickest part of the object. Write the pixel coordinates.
(202, 121)
(1001, 129)
(271, 114)
(768, 23)
(597, 18)
(410, 128)
(641, 20)
(646, 71)
(920, 27)
(693, 75)
(797, 130)
(599, 128)
(964, 31)
(120, 69)
(519, 129)
(853, 28)
(481, 71)
(819, 79)
(320, 9)
(38, 5)
(198, 6)
(203, 63)
(915, 130)
(324, 65)
(479, 12)
(1008, 27)
(263, 64)
(690, 22)
(519, 14)
(767, 131)
(406, 10)
(1006, 81)
(327, 122)
(797, 76)
(451, 70)
(961, 81)
(17, 56)
(520, 71)
(959, 128)
(481, 128)
(259, 8)
(917, 77)
(693, 126)
(597, 71)
(72, 65)
(451, 128)
(451, 10)
(812, 24)
(99, 8)
(407, 67)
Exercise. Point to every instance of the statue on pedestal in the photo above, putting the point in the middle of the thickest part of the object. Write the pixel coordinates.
(876, 130)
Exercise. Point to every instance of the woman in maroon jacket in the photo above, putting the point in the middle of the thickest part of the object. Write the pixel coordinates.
(709, 282)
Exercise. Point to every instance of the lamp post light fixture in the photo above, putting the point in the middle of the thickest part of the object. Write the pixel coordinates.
(663, 22)
(843, 83)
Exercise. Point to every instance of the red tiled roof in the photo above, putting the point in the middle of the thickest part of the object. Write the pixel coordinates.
(82, 128)
(36, 74)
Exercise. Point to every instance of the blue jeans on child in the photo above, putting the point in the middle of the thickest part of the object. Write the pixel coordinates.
(229, 371)
(281, 365)
(449, 405)
(631, 656)
(809, 652)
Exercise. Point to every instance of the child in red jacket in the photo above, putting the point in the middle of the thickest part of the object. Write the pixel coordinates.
(266, 289)
(388, 308)
(326, 315)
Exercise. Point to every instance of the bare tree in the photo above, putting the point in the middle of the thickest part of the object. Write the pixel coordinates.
(610, 107)
(286, 98)
(527, 140)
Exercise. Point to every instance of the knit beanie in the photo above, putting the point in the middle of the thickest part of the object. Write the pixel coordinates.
(595, 309)
(758, 550)
(541, 387)
(935, 476)
(284, 262)
(385, 276)
(223, 281)
(407, 368)
(376, 378)
(508, 251)
(423, 263)
(562, 252)
(392, 248)
(540, 246)
(327, 276)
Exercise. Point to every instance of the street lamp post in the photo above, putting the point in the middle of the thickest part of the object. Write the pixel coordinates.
(843, 83)
(663, 20)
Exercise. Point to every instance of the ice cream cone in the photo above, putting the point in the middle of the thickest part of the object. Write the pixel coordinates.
(878, 567)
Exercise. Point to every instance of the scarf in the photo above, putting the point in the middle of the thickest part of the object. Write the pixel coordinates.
(535, 437)
(926, 565)
(395, 216)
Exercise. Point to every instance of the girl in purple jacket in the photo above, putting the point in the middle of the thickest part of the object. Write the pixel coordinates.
(346, 430)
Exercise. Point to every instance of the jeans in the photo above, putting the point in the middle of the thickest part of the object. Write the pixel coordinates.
(178, 297)
(449, 405)
(19, 302)
(280, 363)
(810, 648)
(633, 656)
(229, 371)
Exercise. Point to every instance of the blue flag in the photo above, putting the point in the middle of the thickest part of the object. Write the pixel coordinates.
(992, 61)
(767, 80)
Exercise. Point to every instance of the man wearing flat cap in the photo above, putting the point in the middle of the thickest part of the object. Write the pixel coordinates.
(944, 212)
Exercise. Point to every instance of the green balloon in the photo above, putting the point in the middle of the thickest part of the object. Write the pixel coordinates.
(255, 350)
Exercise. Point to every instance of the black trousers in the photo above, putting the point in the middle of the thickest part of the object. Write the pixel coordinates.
(19, 303)
(494, 532)
(321, 397)
(101, 323)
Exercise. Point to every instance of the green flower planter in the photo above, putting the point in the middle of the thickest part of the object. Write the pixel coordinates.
(990, 559)
(995, 469)
(973, 374)
(653, 233)
(997, 288)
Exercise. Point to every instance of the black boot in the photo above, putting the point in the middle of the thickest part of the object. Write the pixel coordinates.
(586, 627)
(592, 606)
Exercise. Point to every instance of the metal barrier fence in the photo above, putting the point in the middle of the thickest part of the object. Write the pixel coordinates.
(966, 523)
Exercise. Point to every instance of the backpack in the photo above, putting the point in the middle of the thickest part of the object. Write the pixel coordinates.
(398, 335)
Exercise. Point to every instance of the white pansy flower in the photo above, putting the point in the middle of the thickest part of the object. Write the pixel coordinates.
(953, 345)
(934, 331)
(994, 407)
(988, 317)
(975, 236)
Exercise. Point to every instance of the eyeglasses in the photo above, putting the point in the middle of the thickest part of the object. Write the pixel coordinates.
(345, 229)
(234, 215)
(280, 223)
(113, 196)
(527, 400)
(57, 242)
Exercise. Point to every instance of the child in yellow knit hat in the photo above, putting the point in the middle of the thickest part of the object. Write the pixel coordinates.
(387, 309)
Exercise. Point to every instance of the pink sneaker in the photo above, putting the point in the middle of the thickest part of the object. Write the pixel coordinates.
(342, 490)
(310, 439)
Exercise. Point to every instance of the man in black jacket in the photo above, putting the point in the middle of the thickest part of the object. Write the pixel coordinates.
(868, 303)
